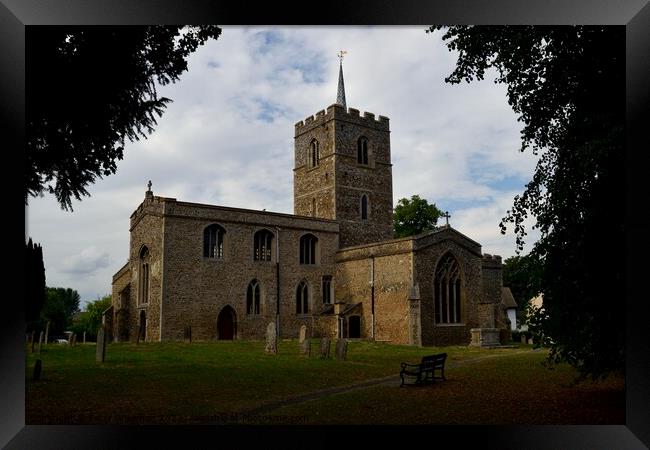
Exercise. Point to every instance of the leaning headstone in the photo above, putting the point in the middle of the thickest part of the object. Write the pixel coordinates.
(100, 352)
(31, 341)
(37, 370)
(40, 342)
(303, 334)
(271, 339)
(342, 349)
(47, 332)
(305, 348)
(325, 347)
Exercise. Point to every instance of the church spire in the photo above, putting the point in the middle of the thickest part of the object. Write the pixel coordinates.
(340, 94)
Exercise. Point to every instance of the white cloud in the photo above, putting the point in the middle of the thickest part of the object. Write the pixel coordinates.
(227, 139)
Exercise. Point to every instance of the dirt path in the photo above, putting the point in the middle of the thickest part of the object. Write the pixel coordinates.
(389, 380)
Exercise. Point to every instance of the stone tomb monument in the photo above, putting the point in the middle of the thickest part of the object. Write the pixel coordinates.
(325, 347)
(342, 349)
(303, 334)
(271, 339)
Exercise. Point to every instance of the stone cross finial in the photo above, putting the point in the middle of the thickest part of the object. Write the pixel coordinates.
(340, 55)
(149, 185)
(446, 216)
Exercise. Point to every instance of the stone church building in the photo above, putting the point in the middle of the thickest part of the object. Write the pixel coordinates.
(332, 266)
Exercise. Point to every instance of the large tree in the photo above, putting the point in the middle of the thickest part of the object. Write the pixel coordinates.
(567, 84)
(88, 90)
(60, 305)
(414, 216)
(522, 275)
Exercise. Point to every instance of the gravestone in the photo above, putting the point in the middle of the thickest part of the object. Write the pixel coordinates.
(31, 341)
(271, 339)
(303, 334)
(37, 370)
(342, 349)
(84, 337)
(40, 342)
(74, 339)
(47, 332)
(305, 348)
(100, 352)
(70, 339)
(523, 338)
(325, 347)
(187, 334)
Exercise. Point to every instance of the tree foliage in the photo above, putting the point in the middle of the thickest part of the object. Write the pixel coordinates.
(90, 319)
(414, 216)
(88, 89)
(34, 281)
(60, 305)
(567, 85)
(522, 274)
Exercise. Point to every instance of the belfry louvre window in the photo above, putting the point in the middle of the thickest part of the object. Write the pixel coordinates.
(253, 298)
(213, 241)
(262, 245)
(314, 153)
(447, 291)
(302, 298)
(362, 151)
(308, 249)
(143, 285)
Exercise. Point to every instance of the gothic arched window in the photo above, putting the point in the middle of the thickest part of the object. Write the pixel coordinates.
(213, 241)
(253, 298)
(364, 207)
(314, 153)
(143, 284)
(308, 244)
(262, 245)
(362, 151)
(447, 290)
(302, 298)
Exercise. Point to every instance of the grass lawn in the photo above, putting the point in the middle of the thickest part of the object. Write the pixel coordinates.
(163, 383)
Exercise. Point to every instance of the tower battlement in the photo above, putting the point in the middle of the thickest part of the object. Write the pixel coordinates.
(338, 112)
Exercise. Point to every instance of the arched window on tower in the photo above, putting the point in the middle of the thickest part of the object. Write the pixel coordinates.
(362, 151)
(364, 207)
(447, 290)
(314, 153)
(302, 298)
(308, 245)
(253, 298)
(213, 237)
(143, 285)
(262, 241)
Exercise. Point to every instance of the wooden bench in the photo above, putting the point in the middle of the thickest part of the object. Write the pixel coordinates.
(425, 372)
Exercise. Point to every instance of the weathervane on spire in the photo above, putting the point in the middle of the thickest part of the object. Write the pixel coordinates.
(340, 54)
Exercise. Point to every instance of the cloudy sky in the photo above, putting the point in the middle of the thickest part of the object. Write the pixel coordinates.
(227, 139)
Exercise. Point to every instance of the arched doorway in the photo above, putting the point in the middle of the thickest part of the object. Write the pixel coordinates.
(143, 325)
(227, 324)
(354, 327)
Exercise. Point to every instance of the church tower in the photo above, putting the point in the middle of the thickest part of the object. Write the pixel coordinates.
(343, 171)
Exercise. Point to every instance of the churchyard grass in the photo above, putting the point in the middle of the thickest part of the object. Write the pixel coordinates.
(165, 383)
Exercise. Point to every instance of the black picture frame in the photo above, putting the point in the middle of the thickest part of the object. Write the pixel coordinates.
(634, 15)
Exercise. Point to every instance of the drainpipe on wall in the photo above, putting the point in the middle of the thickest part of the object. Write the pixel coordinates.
(277, 282)
(372, 298)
